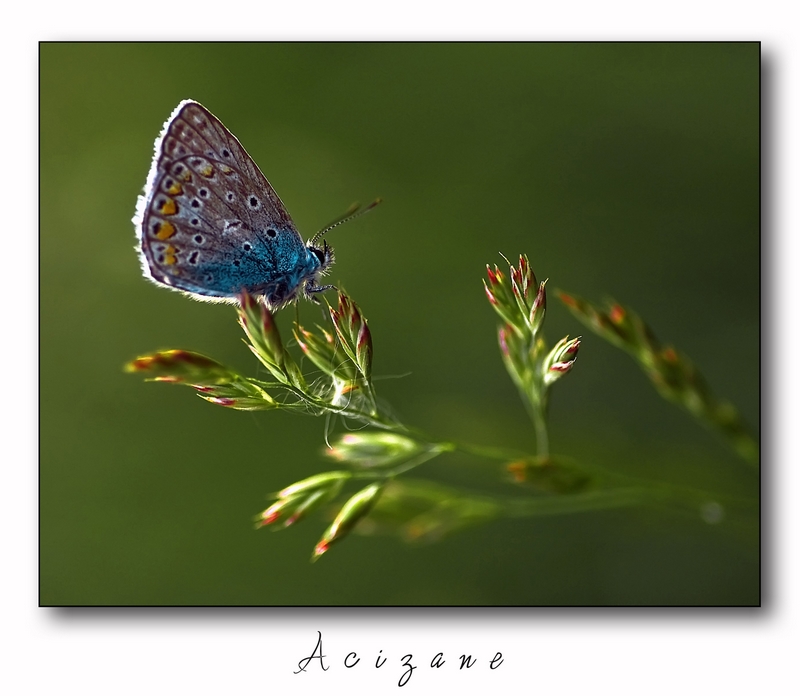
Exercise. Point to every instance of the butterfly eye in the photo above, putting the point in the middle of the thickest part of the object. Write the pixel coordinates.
(319, 253)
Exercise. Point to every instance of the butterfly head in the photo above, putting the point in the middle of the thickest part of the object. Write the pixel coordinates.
(323, 254)
(324, 257)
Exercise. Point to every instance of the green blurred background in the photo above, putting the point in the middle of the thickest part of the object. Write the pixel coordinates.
(622, 170)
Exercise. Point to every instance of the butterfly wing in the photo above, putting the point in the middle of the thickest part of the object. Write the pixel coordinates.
(209, 223)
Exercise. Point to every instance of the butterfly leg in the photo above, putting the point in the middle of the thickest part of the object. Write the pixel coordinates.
(311, 289)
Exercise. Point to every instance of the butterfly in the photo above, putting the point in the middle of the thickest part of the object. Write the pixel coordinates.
(210, 225)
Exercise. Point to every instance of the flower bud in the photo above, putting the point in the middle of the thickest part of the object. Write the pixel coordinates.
(265, 340)
(354, 335)
(560, 360)
(501, 296)
(536, 316)
(522, 279)
(351, 513)
(243, 403)
(181, 366)
(373, 449)
(324, 480)
(299, 499)
(322, 349)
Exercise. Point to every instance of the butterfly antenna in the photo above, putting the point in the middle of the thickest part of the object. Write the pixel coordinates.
(353, 212)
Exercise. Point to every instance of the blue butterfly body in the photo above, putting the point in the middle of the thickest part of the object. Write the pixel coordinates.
(210, 225)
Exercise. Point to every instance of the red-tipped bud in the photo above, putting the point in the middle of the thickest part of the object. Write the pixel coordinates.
(527, 274)
(560, 360)
(221, 400)
(296, 501)
(260, 402)
(354, 335)
(512, 297)
(538, 309)
(276, 511)
(571, 349)
(180, 366)
(518, 294)
(492, 298)
(351, 513)
(300, 342)
(364, 349)
(249, 305)
(519, 289)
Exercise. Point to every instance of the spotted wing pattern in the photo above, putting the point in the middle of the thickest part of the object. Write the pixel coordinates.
(209, 223)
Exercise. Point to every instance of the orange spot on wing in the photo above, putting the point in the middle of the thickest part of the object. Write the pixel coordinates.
(170, 257)
(175, 189)
(207, 171)
(169, 207)
(165, 231)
